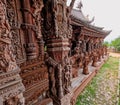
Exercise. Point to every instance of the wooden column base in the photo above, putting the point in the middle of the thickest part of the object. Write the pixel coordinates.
(94, 64)
(66, 100)
(31, 51)
(85, 70)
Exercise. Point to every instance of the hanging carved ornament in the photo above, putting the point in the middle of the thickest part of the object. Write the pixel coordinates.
(7, 59)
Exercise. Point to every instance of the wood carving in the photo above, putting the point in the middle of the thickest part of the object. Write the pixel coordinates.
(7, 62)
(15, 26)
(86, 62)
(11, 86)
(50, 45)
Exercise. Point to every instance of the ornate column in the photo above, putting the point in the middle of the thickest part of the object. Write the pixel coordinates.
(36, 7)
(86, 57)
(90, 48)
(29, 30)
(82, 49)
(94, 53)
(105, 50)
(11, 87)
(99, 50)
(57, 32)
(85, 64)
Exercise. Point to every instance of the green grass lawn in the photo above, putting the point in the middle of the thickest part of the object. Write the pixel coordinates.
(103, 87)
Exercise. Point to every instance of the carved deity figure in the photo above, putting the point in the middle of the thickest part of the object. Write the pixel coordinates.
(52, 81)
(67, 78)
(59, 82)
(105, 48)
(7, 59)
(67, 74)
(86, 62)
(37, 5)
(94, 57)
(15, 101)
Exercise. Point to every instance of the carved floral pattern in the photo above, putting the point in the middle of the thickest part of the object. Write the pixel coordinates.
(15, 26)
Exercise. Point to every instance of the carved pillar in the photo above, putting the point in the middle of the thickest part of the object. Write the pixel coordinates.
(106, 50)
(91, 48)
(82, 49)
(95, 55)
(41, 48)
(28, 27)
(36, 7)
(99, 49)
(57, 32)
(94, 58)
(11, 87)
(85, 64)
(59, 74)
(86, 56)
(94, 52)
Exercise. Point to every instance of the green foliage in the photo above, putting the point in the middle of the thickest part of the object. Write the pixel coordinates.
(116, 43)
(106, 43)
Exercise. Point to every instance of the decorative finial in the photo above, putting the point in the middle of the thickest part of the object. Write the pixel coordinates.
(80, 5)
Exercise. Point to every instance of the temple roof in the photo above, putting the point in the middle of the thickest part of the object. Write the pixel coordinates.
(78, 16)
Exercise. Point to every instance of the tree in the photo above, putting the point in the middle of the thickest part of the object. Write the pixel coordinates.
(106, 43)
(116, 43)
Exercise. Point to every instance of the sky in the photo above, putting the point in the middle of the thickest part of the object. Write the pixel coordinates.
(106, 13)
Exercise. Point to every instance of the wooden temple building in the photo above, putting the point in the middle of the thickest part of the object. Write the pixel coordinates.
(48, 52)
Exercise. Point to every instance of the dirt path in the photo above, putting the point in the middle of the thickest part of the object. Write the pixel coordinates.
(114, 54)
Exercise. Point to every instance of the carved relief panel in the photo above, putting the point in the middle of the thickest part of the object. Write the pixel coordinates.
(17, 40)
(35, 78)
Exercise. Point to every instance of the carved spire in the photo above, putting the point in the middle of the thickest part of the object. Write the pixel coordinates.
(80, 5)
(71, 5)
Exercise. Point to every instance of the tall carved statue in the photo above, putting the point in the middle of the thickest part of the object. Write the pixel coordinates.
(37, 6)
(86, 62)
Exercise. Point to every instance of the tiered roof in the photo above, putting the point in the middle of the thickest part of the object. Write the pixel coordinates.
(79, 19)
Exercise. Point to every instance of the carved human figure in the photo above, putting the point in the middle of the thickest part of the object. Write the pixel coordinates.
(94, 57)
(66, 79)
(52, 81)
(99, 54)
(66, 74)
(59, 82)
(86, 62)
(17, 100)
(105, 50)
(37, 5)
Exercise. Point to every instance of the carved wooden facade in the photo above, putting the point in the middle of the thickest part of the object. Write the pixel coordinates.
(42, 47)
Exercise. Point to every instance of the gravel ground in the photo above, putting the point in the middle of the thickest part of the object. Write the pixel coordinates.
(103, 88)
